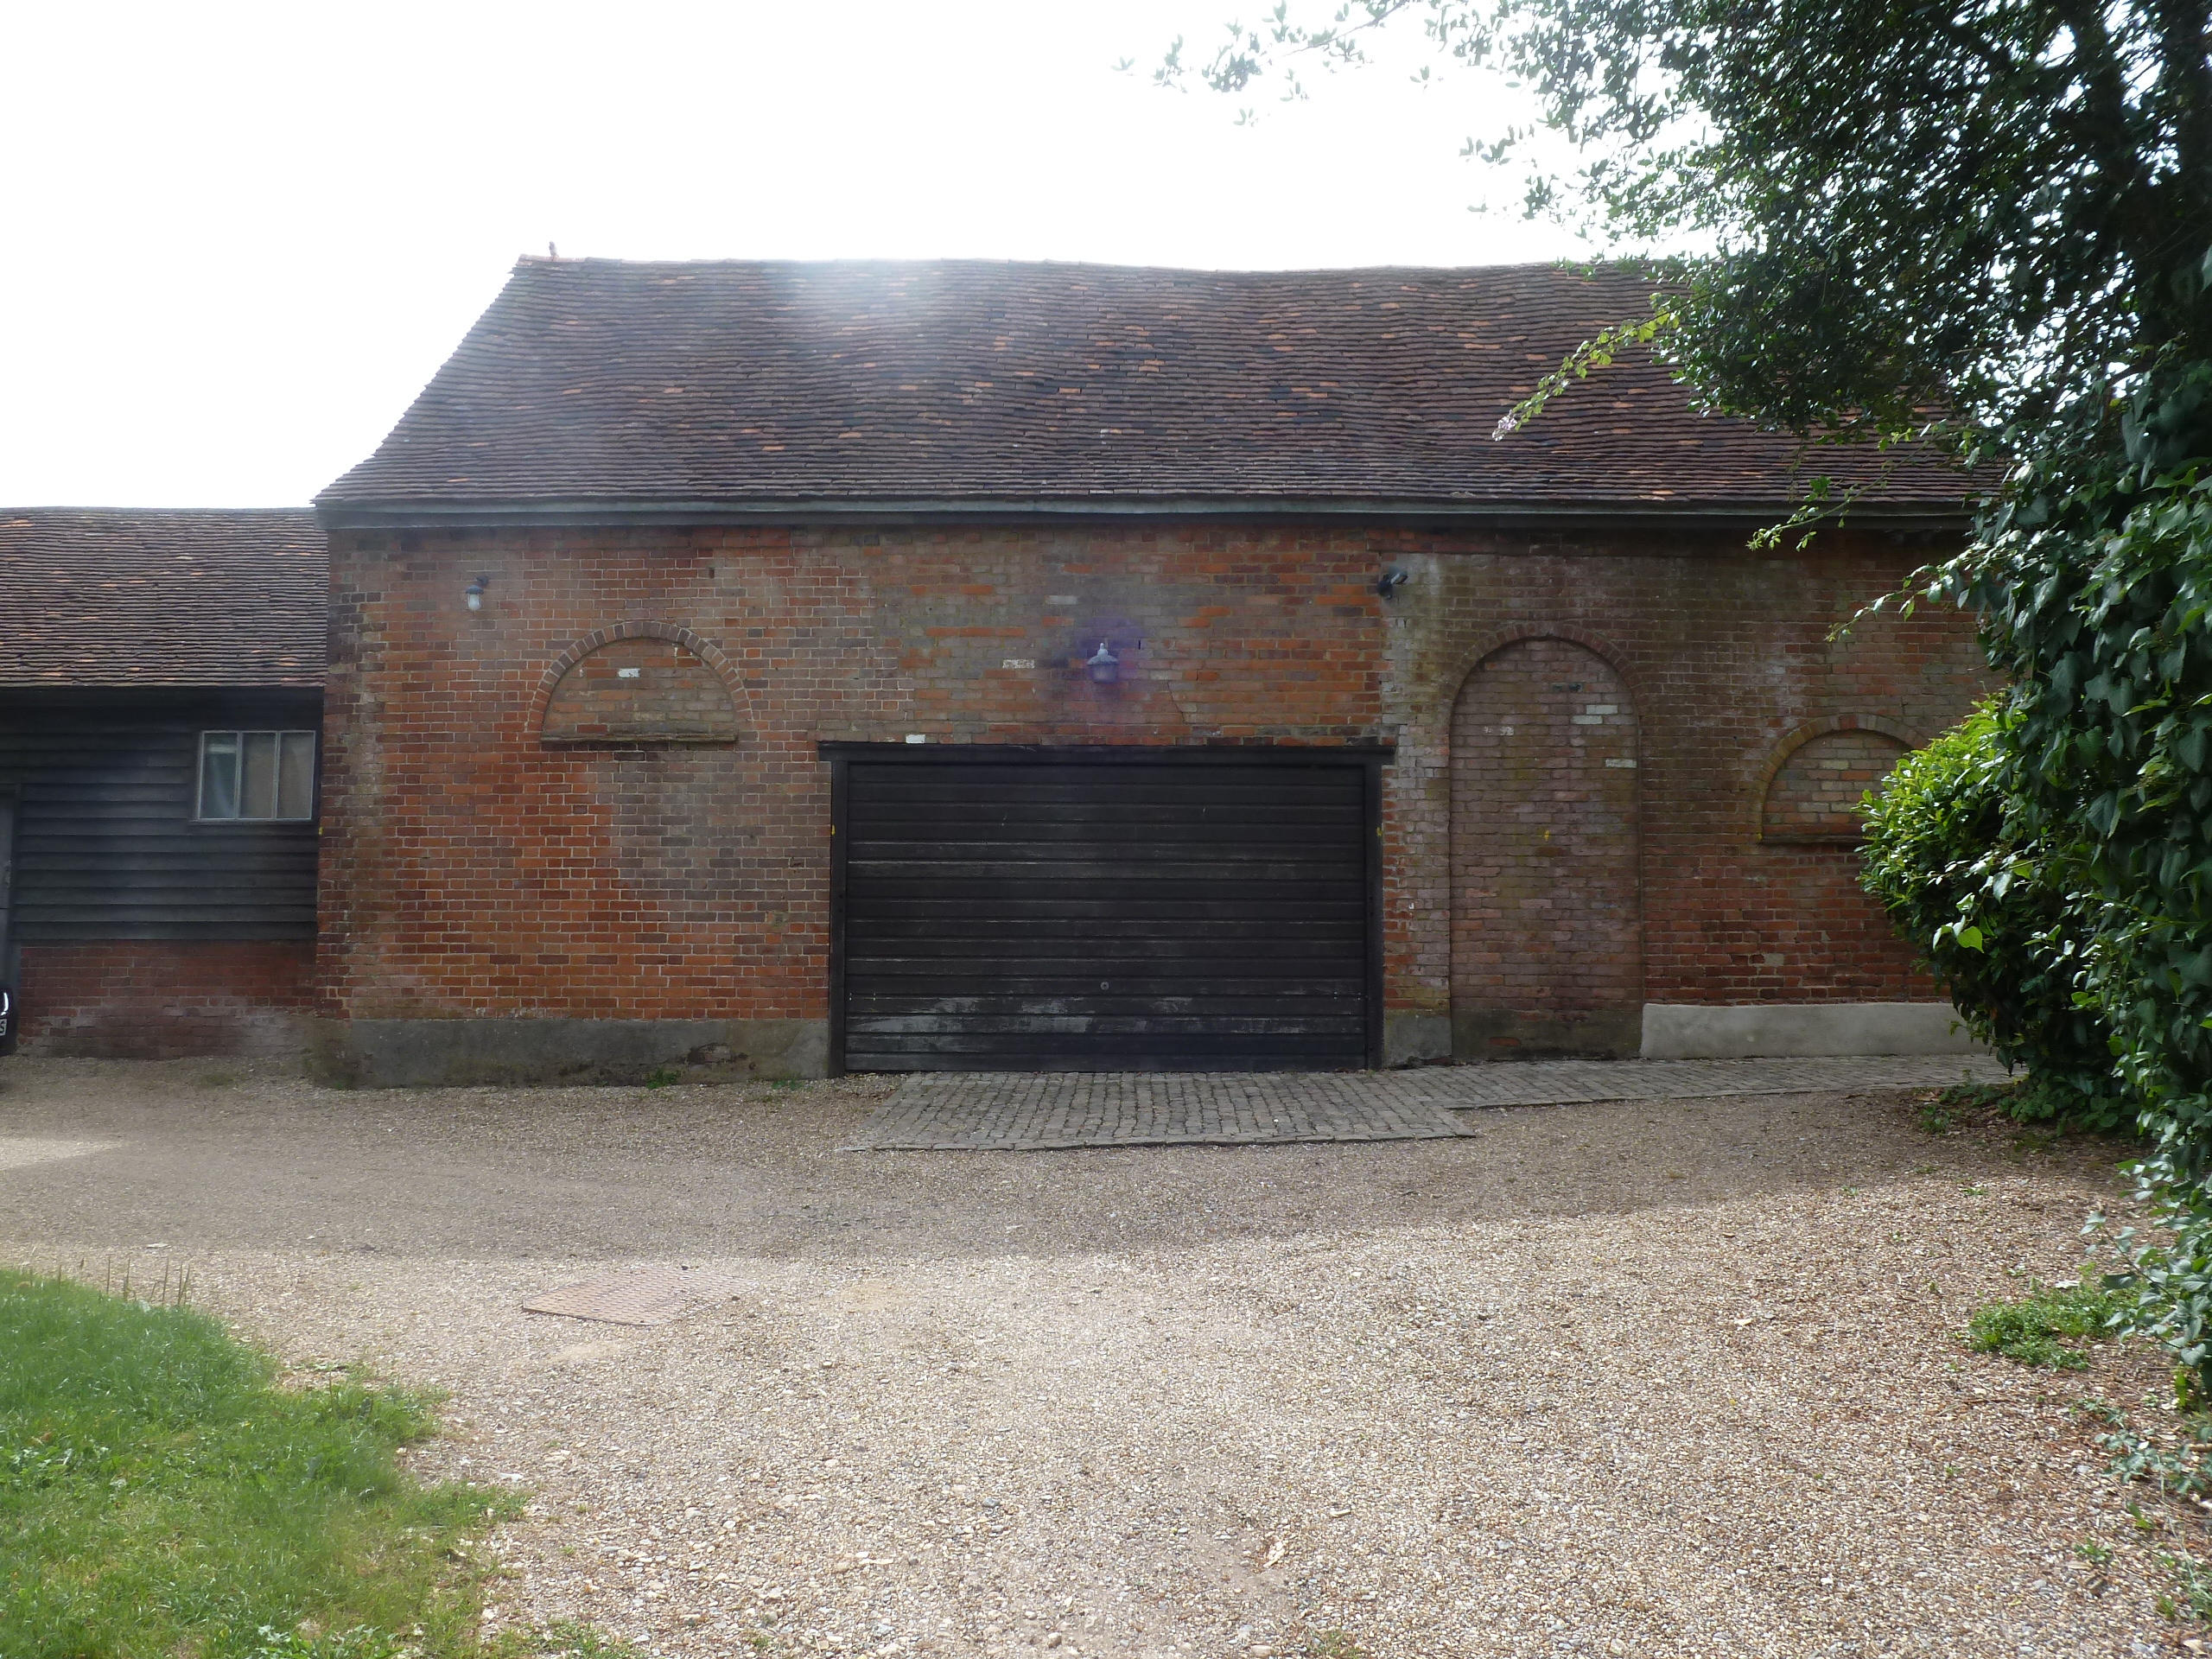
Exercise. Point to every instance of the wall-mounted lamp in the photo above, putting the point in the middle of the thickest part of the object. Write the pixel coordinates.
(1390, 581)
(476, 592)
(1105, 667)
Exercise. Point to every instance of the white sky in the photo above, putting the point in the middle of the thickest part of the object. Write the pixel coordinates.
(239, 238)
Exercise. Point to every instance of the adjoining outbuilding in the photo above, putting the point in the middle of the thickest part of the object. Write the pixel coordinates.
(799, 668)
(161, 710)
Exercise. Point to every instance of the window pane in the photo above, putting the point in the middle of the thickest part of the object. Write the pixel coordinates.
(295, 777)
(218, 774)
(258, 798)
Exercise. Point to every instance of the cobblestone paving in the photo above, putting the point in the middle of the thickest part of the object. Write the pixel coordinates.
(1030, 1111)
(1003, 1111)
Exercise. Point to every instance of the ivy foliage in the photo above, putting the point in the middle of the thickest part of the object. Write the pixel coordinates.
(2093, 578)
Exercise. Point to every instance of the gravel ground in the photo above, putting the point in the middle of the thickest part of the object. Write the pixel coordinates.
(1671, 1378)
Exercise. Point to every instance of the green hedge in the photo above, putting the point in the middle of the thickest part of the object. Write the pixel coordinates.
(2000, 920)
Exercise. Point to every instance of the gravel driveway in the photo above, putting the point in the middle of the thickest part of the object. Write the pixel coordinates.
(1666, 1378)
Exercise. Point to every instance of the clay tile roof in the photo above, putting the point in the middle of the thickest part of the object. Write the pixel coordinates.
(98, 598)
(610, 384)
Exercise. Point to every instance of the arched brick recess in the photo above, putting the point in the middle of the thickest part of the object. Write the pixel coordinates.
(1453, 684)
(1783, 752)
(1546, 915)
(710, 655)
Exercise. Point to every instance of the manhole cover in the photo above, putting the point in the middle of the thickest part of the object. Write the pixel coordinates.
(640, 1296)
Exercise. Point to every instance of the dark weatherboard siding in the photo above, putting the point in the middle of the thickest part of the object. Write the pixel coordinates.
(106, 847)
(1011, 909)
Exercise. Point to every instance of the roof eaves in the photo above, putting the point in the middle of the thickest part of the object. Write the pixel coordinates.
(580, 511)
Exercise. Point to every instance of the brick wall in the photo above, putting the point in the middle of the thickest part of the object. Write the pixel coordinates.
(156, 1000)
(471, 867)
(1723, 653)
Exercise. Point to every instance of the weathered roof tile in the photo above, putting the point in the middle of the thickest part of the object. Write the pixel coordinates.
(603, 381)
(117, 598)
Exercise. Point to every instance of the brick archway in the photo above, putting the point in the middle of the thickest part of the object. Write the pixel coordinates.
(1546, 879)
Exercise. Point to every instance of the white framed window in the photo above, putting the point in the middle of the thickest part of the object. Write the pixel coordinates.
(249, 776)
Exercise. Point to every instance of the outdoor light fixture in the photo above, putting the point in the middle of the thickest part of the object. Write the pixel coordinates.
(1105, 667)
(1390, 581)
(476, 593)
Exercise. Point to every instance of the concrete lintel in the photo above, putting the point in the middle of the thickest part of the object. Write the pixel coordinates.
(427, 1053)
(1782, 1030)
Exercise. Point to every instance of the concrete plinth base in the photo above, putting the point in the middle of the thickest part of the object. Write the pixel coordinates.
(1680, 1031)
(1508, 1035)
(426, 1053)
(1410, 1039)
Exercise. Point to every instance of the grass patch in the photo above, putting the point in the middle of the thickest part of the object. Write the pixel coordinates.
(1936, 1118)
(2192, 1594)
(2029, 1330)
(160, 1496)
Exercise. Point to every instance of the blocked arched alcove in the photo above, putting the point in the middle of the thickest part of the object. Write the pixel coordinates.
(638, 683)
(1547, 891)
(1808, 791)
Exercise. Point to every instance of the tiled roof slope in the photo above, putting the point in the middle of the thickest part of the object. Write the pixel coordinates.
(95, 597)
(612, 382)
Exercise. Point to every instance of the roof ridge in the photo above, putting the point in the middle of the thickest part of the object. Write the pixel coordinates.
(56, 511)
(986, 261)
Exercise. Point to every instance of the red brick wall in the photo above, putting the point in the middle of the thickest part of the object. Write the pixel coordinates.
(1547, 925)
(470, 868)
(1724, 652)
(146, 999)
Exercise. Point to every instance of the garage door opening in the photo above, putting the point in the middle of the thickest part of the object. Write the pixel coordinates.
(1021, 909)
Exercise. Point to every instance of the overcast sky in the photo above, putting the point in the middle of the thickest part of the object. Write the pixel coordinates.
(241, 237)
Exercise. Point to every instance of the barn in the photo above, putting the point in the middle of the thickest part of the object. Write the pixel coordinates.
(786, 668)
(160, 707)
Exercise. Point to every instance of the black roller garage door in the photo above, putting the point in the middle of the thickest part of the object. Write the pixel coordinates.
(1017, 909)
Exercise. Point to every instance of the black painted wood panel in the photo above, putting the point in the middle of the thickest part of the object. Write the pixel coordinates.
(1115, 911)
(106, 845)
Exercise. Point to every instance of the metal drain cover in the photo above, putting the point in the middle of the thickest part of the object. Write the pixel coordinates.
(640, 1296)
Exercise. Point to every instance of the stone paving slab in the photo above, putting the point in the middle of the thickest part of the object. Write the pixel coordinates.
(1004, 1111)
